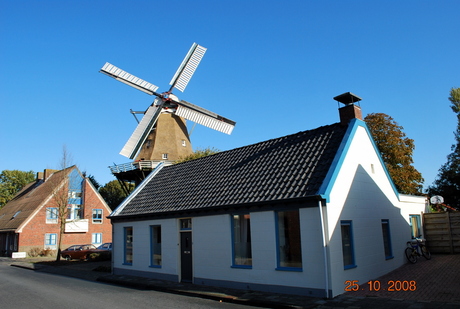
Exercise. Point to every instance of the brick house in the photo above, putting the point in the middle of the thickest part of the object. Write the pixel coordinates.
(30, 219)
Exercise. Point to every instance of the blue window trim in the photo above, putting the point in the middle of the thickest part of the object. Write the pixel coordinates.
(125, 232)
(51, 213)
(390, 256)
(233, 244)
(97, 215)
(152, 251)
(350, 224)
(95, 237)
(278, 267)
(49, 237)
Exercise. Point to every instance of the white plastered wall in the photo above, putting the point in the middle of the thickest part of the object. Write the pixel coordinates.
(141, 246)
(363, 195)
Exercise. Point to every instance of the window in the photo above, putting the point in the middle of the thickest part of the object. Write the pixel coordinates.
(387, 239)
(50, 241)
(164, 156)
(128, 232)
(415, 225)
(241, 236)
(347, 245)
(96, 238)
(184, 143)
(288, 240)
(51, 215)
(186, 224)
(74, 212)
(74, 194)
(155, 247)
(97, 215)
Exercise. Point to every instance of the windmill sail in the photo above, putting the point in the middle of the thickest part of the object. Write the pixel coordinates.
(131, 80)
(204, 117)
(141, 132)
(187, 67)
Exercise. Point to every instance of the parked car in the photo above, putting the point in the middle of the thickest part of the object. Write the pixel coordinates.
(106, 246)
(78, 252)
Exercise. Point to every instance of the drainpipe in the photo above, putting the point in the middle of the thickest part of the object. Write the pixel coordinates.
(323, 232)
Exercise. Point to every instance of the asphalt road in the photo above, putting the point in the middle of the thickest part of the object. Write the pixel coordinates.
(23, 288)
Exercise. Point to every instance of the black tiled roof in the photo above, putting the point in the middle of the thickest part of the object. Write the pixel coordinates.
(289, 167)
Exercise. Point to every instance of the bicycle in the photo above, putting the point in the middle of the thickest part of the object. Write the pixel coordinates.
(416, 248)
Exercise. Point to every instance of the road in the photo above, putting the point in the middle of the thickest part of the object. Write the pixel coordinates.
(24, 288)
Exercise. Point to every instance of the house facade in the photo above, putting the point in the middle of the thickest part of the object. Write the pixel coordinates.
(30, 220)
(301, 214)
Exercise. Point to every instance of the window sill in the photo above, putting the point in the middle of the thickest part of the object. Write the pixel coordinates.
(155, 266)
(242, 266)
(350, 266)
(389, 257)
(128, 264)
(296, 269)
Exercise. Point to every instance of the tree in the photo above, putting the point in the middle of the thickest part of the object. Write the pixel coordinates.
(199, 153)
(447, 182)
(11, 182)
(113, 193)
(396, 150)
(61, 183)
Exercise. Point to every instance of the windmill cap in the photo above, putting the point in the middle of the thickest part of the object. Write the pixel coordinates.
(347, 98)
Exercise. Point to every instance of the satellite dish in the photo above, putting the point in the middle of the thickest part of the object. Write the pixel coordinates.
(167, 101)
(437, 199)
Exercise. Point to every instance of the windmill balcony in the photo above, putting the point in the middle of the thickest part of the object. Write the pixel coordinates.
(77, 226)
(136, 165)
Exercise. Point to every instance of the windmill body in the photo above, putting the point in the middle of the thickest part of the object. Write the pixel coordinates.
(161, 135)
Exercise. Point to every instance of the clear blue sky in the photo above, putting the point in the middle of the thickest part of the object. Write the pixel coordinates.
(272, 66)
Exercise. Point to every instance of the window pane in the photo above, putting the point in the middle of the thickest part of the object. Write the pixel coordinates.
(289, 249)
(128, 245)
(156, 245)
(387, 238)
(347, 244)
(97, 215)
(97, 238)
(242, 254)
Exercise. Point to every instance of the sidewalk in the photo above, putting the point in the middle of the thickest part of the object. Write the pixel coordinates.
(437, 286)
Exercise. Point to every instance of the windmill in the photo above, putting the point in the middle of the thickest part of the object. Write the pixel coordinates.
(161, 134)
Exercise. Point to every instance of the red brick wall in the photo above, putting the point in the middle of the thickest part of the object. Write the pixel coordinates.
(33, 234)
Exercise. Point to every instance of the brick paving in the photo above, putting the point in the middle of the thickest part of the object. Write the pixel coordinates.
(437, 279)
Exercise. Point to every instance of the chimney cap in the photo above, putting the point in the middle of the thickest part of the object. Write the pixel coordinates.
(347, 98)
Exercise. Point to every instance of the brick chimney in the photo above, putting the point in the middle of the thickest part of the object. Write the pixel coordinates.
(350, 110)
(47, 173)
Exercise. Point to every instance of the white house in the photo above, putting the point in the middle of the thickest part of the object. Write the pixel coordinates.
(299, 214)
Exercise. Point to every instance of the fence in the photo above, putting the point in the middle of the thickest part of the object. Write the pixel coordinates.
(442, 232)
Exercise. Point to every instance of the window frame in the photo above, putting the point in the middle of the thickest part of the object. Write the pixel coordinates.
(95, 237)
(52, 215)
(419, 225)
(74, 212)
(247, 236)
(279, 241)
(155, 246)
(95, 212)
(128, 245)
(386, 233)
(49, 239)
(349, 224)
